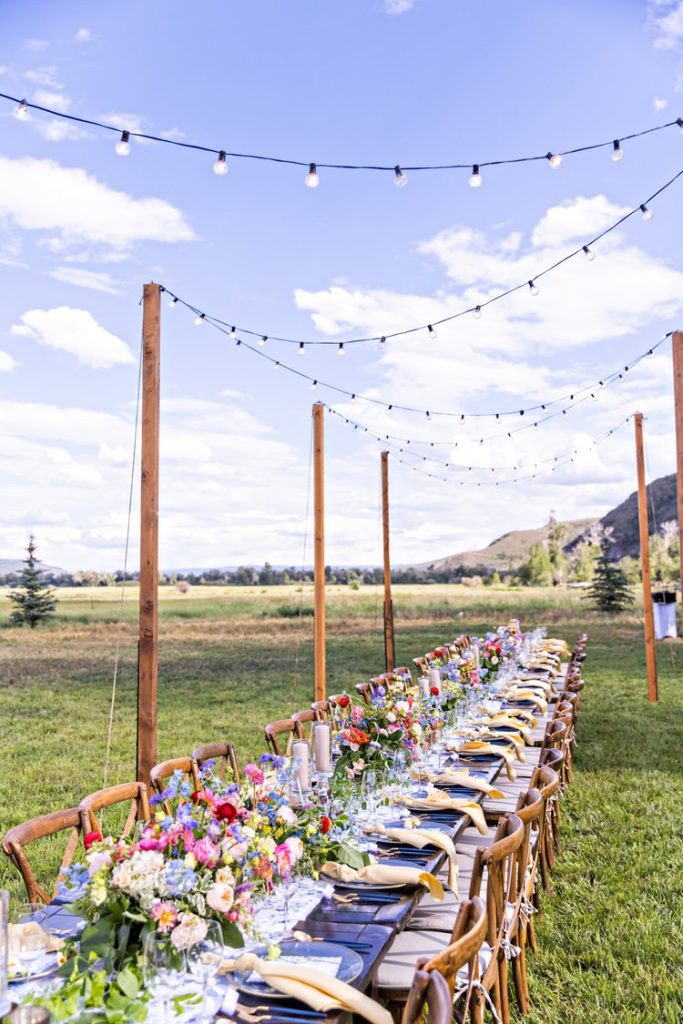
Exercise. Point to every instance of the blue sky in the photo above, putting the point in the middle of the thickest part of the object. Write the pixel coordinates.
(81, 229)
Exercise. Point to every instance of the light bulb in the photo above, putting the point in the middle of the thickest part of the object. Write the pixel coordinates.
(221, 165)
(353, 399)
(476, 312)
(122, 147)
(617, 151)
(432, 332)
(199, 320)
(312, 180)
(533, 287)
(646, 212)
(341, 351)
(679, 122)
(475, 176)
(21, 111)
(173, 302)
(261, 342)
(381, 344)
(314, 385)
(590, 255)
(389, 408)
(233, 332)
(554, 159)
(276, 366)
(302, 349)
(400, 179)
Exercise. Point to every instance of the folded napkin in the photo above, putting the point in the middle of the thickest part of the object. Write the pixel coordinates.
(527, 694)
(479, 747)
(315, 989)
(520, 714)
(437, 800)
(454, 777)
(31, 932)
(512, 737)
(534, 683)
(385, 874)
(421, 837)
(497, 720)
(556, 646)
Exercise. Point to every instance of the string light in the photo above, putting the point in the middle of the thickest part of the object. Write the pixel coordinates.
(262, 341)
(233, 333)
(617, 151)
(314, 385)
(312, 179)
(646, 212)
(173, 302)
(400, 179)
(533, 287)
(476, 312)
(221, 165)
(475, 177)
(554, 159)
(302, 349)
(341, 351)
(199, 320)
(21, 111)
(432, 333)
(122, 147)
(590, 255)
(276, 366)
(196, 147)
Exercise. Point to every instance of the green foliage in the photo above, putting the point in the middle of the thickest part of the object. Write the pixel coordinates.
(90, 994)
(556, 539)
(33, 601)
(538, 569)
(610, 590)
(582, 565)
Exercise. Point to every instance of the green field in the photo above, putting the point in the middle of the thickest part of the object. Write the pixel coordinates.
(610, 937)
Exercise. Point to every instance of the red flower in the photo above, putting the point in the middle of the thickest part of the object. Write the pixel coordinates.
(91, 837)
(435, 691)
(325, 824)
(344, 701)
(225, 811)
(197, 796)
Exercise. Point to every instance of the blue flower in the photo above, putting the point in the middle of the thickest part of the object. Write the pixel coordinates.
(179, 878)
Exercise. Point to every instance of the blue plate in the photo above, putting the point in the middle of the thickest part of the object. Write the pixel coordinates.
(349, 969)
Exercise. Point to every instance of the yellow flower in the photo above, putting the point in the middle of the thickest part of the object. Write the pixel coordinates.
(190, 860)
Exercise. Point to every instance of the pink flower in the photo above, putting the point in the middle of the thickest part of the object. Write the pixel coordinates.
(189, 931)
(165, 914)
(283, 859)
(296, 849)
(254, 774)
(220, 897)
(206, 852)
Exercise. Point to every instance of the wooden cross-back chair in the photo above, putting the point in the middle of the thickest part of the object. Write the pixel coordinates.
(161, 773)
(421, 665)
(402, 676)
(132, 793)
(18, 838)
(546, 778)
(531, 812)
(462, 643)
(275, 731)
(303, 721)
(325, 709)
(428, 992)
(364, 690)
(224, 756)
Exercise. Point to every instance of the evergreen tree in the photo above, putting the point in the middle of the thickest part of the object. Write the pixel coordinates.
(537, 570)
(556, 534)
(33, 601)
(610, 589)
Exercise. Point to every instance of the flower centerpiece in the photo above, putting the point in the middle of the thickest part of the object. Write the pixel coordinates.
(368, 734)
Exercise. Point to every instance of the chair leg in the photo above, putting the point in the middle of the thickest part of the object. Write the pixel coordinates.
(477, 1008)
(520, 980)
(533, 944)
(504, 997)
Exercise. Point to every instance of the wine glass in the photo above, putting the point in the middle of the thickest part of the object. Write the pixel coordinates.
(369, 786)
(163, 966)
(28, 938)
(204, 960)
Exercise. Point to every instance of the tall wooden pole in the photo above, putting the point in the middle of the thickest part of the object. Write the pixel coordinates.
(650, 657)
(319, 663)
(149, 536)
(389, 641)
(677, 349)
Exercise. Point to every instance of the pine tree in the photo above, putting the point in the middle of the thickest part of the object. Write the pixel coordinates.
(610, 589)
(33, 602)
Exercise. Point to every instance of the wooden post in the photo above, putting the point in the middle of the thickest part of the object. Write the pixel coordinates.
(677, 350)
(319, 664)
(149, 536)
(650, 655)
(389, 641)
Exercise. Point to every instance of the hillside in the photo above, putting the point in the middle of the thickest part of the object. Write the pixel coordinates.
(661, 507)
(506, 552)
(8, 565)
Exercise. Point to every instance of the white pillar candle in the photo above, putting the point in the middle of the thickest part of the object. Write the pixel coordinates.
(322, 746)
(435, 678)
(424, 687)
(300, 756)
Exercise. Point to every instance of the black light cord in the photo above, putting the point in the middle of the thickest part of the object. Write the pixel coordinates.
(393, 167)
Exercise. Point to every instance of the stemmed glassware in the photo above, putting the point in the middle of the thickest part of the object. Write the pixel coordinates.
(163, 967)
(204, 961)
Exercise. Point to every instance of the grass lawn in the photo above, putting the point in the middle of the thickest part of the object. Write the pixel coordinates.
(611, 935)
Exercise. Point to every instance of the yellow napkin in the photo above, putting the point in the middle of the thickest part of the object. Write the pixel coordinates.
(32, 933)
(531, 695)
(385, 874)
(497, 720)
(439, 801)
(512, 737)
(453, 777)
(478, 747)
(534, 683)
(315, 989)
(421, 837)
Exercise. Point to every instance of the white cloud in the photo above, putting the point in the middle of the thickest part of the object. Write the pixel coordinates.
(667, 20)
(7, 364)
(96, 280)
(45, 76)
(74, 331)
(58, 131)
(576, 220)
(70, 206)
(398, 6)
(54, 100)
(36, 45)
(659, 104)
(83, 35)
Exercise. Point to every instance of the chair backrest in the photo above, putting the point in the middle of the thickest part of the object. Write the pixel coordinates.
(364, 690)
(133, 793)
(19, 837)
(469, 932)
(428, 990)
(321, 709)
(421, 664)
(223, 754)
(400, 676)
(283, 727)
(302, 719)
(531, 812)
(160, 774)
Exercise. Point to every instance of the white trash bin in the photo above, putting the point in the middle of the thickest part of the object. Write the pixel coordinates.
(664, 608)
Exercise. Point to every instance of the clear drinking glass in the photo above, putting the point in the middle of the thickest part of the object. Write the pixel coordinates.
(163, 967)
(204, 961)
(29, 943)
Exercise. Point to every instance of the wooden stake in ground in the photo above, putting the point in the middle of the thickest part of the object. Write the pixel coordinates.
(650, 656)
(149, 536)
(319, 663)
(389, 641)
(677, 349)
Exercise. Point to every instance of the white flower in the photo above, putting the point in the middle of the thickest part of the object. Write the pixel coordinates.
(296, 848)
(402, 705)
(287, 815)
(98, 862)
(220, 897)
(190, 930)
(391, 717)
(225, 876)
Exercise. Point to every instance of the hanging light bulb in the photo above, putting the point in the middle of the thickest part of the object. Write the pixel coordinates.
(199, 320)
(312, 179)
(302, 349)
(314, 385)
(221, 165)
(341, 351)
(617, 151)
(382, 342)
(679, 122)
(21, 111)
(400, 179)
(389, 408)
(554, 159)
(476, 312)
(432, 332)
(533, 287)
(646, 212)
(173, 302)
(233, 332)
(475, 176)
(589, 254)
(353, 399)
(262, 341)
(122, 147)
